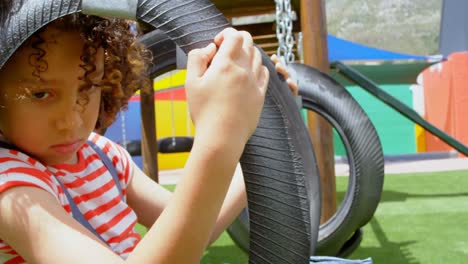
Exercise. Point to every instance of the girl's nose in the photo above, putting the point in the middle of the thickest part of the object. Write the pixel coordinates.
(69, 117)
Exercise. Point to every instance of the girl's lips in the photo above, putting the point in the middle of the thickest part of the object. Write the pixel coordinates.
(68, 147)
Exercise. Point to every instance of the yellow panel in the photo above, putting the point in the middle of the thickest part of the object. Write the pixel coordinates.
(165, 127)
(420, 138)
(170, 161)
(169, 80)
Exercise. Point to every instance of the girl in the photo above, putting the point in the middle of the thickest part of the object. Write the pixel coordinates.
(70, 79)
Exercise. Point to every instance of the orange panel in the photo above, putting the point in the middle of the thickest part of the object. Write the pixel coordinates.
(446, 99)
(436, 81)
(460, 98)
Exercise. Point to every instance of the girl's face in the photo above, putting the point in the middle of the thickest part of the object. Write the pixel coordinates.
(45, 117)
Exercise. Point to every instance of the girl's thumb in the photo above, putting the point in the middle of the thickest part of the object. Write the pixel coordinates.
(199, 59)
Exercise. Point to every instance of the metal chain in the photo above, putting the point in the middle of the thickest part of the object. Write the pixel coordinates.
(124, 129)
(284, 28)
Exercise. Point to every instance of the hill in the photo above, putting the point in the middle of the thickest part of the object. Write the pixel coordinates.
(408, 26)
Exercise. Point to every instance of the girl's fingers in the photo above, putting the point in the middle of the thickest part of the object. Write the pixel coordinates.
(293, 86)
(247, 44)
(239, 45)
(199, 59)
(218, 39)
(274, 58)
(281, 69)
(229, 42)
(263, 80)
(257, 63)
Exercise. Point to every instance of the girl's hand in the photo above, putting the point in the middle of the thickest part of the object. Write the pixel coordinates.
(281, 69)
(226, 85)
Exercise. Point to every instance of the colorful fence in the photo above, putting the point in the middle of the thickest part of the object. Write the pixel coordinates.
(446, 99)
(441, 96)
(396, 132)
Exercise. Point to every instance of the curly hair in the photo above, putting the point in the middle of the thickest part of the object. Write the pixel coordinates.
(125, 60)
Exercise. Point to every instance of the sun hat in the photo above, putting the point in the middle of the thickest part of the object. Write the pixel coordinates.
(28, 16)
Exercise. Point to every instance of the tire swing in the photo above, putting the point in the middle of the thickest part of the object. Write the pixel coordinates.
(323, 95)
(284, 207)
(342, 233)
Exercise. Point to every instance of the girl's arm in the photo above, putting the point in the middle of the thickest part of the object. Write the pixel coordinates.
(236, 198)
(235, 201)
(225, 100)
(148, 199)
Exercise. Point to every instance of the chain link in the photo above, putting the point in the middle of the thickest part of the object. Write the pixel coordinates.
(124, 130)
(284, 29)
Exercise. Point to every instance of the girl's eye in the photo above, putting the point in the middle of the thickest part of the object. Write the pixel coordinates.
(40, 95)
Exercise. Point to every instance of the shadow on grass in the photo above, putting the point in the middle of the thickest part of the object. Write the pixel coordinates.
(224, 255)
(388, 251)
(394, 196)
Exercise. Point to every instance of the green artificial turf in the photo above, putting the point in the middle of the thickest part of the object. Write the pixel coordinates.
(422, 218)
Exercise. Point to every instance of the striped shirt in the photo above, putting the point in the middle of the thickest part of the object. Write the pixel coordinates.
(89, 183)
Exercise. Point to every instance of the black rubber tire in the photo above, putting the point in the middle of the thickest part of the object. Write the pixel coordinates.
(284, 207)
(175, 144)
(351, 244)
(323, 95)
(163, 50)
(341, 234)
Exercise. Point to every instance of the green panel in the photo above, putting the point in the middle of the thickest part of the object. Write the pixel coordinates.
(395, 131)
(338, 144)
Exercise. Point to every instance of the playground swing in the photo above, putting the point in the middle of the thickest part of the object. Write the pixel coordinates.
(175, 144)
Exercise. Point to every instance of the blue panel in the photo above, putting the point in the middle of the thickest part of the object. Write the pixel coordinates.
(340, 49)
(132, 123)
